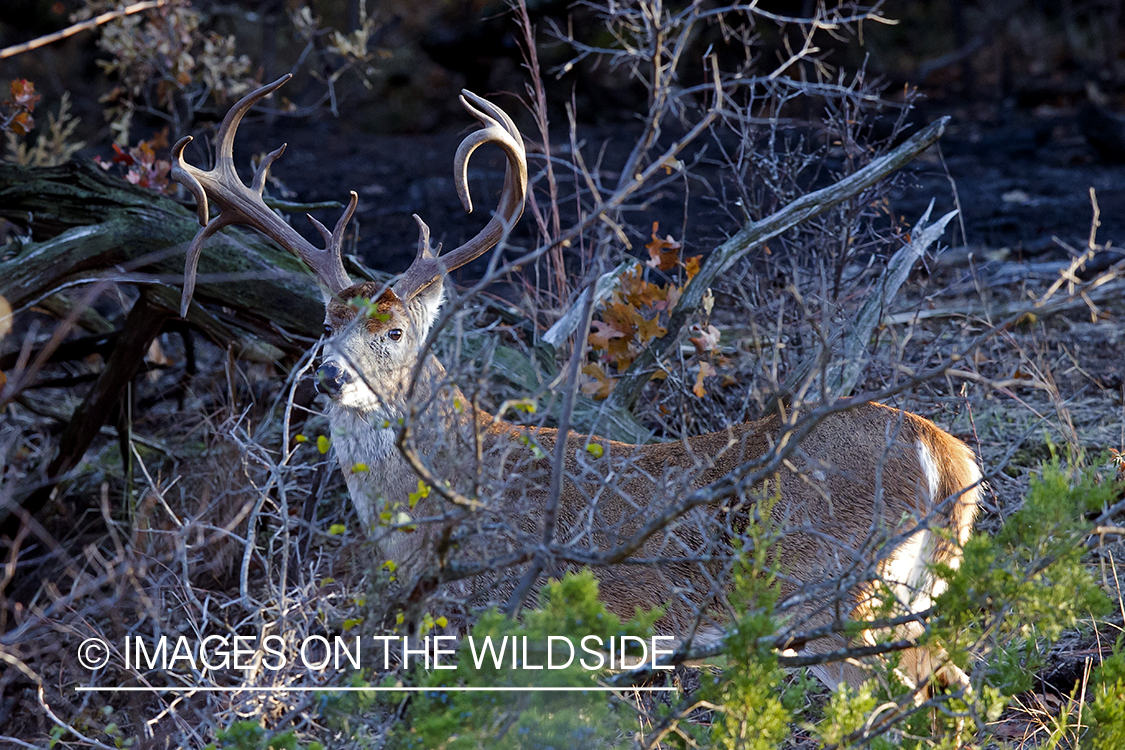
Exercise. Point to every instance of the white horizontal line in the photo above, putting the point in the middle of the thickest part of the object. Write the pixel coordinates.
(354, 689)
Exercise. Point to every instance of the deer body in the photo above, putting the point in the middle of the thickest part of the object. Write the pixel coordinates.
(868, 474)
(861, 477)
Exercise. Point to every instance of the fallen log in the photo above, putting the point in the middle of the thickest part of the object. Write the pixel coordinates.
(89, 230)
(87, 225)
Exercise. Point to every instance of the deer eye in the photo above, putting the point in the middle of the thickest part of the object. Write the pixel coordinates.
(327, 331)
(394, 334)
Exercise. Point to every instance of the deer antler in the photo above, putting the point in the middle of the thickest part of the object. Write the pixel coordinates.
(499, 129)
(242, 204)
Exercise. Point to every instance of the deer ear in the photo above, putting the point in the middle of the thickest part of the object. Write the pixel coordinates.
(425, 306)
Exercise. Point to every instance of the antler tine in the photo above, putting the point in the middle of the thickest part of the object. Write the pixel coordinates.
(334, 240)
(426, 251)
(191, 263)
(224, 148)
(258, 184)
(242, 204)
(499, 129)
(498, 126)
(181, 173)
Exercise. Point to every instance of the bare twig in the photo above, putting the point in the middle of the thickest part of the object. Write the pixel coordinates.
(91, 23)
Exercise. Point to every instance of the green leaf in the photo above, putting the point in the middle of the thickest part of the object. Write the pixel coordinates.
(536, 451)
(523, 404)
(423, 491)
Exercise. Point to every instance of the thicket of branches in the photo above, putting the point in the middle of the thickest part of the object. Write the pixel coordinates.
(167, 477)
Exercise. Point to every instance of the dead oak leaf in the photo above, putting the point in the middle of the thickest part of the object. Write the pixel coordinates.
(705, 369)
(705, 338)
(601, 386)
(663, 254)
(674, 294)
(602, 334)
(621, 352)
(632, 287)
(23, 94)
(691, 266)
(650, 329)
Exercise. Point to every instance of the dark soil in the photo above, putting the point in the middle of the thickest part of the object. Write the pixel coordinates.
(1021, 182)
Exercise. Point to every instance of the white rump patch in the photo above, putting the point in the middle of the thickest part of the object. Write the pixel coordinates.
(930, 471)
(905, 571)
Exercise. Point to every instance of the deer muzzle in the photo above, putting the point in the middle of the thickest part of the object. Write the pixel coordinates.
(331, 379)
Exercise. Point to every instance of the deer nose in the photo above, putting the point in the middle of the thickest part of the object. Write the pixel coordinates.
(331, 379)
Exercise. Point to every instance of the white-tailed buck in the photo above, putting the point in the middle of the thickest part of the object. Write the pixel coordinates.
(861, 505)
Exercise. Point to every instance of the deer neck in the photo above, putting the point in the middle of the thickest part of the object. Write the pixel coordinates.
(378, 476)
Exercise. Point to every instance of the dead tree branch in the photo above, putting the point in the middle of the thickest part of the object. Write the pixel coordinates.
(756, 233)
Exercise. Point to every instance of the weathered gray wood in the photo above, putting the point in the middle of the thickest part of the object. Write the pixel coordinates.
(842, 376)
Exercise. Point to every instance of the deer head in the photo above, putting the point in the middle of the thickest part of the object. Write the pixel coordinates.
(375, 333)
